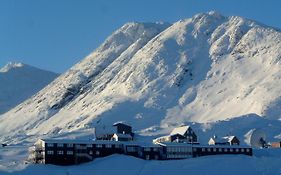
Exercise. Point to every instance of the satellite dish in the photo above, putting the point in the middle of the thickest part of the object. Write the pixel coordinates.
(257, 138)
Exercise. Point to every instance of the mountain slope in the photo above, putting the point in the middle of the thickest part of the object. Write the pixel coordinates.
(19, 82)
(205, 68)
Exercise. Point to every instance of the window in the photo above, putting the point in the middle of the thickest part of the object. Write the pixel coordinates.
(60, 152)
(209, 149)
(156, 157)
(108, 145)
(203, 149)
(237, 150)
(194, 149)
(247, 150)
(69, 152)
(231, 150)
(60, 144)
(131, 149)
(214, 149)
(225, 149)
(91, 152)
(99, 145)
(50, 144)
(155, 149)
(97, 153)
(50, 152)
(147, 157)
(69, 145)
(242, 150)
(89, 145)
(146, 149)
(117, 146)
(220, 150)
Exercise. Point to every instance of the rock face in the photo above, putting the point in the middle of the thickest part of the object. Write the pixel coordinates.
(205, 68)
(19, 82)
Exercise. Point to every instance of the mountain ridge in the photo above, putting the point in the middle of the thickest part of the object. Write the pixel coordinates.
(157, 74)
(20, 81)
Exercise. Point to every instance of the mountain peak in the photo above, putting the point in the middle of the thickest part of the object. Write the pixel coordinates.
(11, 65)
(195, 70)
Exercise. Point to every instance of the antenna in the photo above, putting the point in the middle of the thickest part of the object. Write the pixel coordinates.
(257, 138)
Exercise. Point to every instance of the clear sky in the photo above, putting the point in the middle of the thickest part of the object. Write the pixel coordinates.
(55, 34)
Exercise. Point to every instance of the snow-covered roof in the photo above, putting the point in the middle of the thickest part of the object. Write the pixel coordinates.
(228, 138)
(223, 139)
(77, 141)
(174, 144)
(120, 122)
(180, 130)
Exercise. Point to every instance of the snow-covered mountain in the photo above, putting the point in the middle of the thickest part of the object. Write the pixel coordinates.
(19, 82)
(158, 75)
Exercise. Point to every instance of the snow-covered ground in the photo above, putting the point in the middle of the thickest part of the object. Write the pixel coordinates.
(19, 82)
(265, 162)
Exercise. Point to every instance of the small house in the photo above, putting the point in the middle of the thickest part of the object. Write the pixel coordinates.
(106, 132)
(122, 128)
(228, 140)
(183, 134)
(185, 131)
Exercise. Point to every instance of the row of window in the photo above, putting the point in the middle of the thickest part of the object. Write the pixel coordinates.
(147, 157)
(224, 149)
(70, 145)
(178, 149)
(60, 152)
(178, 156)
(150, 149)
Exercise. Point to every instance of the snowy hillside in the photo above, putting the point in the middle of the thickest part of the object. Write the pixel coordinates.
(19, 82)
(157, 76)
(127, 165)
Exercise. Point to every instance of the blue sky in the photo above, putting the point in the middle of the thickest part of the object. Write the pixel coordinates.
(55, 34)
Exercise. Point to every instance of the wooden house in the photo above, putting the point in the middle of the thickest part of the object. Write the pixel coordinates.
(183, 134)
(106, 132)
(228, 140)
(171, 138)
(187, 132)
(122, 128)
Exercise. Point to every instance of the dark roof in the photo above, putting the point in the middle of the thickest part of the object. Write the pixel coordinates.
(120, 123)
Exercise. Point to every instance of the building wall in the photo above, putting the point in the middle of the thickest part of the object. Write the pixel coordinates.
(123, 129)
(276, 144)
(66, 154)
